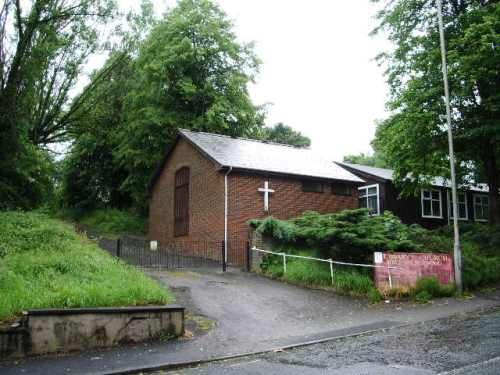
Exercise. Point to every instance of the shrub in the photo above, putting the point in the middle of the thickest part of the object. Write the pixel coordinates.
(375, 296)
(429, 284)
(434, 288)
(115, 222)
(423, 297)
(347, 235)
(478, 269)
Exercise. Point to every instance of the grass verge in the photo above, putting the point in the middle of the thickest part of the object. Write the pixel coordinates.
(346, 280)
(44, 264)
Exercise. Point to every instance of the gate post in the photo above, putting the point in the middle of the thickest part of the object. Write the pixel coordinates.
(248, 257)
(223, 248)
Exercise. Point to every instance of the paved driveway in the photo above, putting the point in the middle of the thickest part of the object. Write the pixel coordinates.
(253, 312)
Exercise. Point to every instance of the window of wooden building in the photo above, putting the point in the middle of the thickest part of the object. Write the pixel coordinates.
(481, 207)
(463, 212)
(181, 202)
(369, 197)
(432, 204)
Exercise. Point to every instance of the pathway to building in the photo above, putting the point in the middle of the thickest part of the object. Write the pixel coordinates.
(250, 313)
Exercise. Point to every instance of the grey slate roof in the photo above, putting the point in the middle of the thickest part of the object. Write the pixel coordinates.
(388, 174)
(254, 155)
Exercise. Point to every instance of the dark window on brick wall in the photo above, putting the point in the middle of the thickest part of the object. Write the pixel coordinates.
(312, 186)
(181, 202)
(341, 189)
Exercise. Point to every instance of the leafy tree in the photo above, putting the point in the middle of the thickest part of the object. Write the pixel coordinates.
(374, 160)
(282, 133)
(43, 44)
(92, 175)
(414, 138)
(191, 72)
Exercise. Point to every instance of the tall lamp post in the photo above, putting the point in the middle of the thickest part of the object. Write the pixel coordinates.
(457, 255)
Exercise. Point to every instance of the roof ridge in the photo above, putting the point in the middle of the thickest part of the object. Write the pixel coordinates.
(249, 139)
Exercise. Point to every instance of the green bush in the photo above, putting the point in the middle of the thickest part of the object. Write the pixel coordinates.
(351, 234)
(433, 287)
(478, 269)
(429, 284)
(423, 297)
(115, 222)
(44, 264)
(375, 296)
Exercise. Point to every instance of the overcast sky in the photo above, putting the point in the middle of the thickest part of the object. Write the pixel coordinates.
(318, 67)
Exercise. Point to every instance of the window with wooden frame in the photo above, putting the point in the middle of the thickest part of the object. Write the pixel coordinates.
(369, 197)
(432, 203)
(481, 207)
(181, 202)
(341, 189)
(463, 211)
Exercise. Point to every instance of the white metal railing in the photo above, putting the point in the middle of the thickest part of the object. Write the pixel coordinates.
(330, 261)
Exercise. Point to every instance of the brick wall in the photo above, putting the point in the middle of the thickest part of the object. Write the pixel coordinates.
(288, 200)
(206, 203)
(206, 198)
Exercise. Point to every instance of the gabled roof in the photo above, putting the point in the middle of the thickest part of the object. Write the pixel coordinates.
(388, 174)
(262, 156)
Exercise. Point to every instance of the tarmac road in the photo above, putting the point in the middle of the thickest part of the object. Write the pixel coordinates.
(468, 343)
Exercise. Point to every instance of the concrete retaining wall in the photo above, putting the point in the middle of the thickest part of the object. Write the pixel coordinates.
(66, 330)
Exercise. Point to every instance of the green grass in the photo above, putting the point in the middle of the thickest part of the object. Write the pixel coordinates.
(115, 222)
(44, 264)
(311, 273)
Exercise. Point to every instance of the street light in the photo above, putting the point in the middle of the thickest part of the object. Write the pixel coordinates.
(457, 256)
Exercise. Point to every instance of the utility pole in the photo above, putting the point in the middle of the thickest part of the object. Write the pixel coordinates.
(457, 255)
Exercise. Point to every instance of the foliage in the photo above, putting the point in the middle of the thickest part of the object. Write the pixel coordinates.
(423, 297)
(191, 72)
(414, 138)
(281, 133)
(348, 235)
(317, 274)
(43, 46)
(375, 296)
(115, 222)
(91, 173)
(352, 235)
(433, 287)
(375, 160)
(44, 264)
(478, 269)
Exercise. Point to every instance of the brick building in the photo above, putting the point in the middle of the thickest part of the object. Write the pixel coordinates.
(209, 186)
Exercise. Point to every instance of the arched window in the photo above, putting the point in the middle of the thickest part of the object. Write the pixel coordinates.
(181, 202)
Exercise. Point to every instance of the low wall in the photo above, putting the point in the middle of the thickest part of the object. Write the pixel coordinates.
(261, 242)
(65, 330)
(412, 266)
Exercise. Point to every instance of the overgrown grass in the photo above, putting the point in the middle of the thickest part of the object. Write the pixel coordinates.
(44, 264)
(115, 222)
(317, 274)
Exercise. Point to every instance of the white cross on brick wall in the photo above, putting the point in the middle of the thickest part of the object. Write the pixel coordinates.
(266, 192)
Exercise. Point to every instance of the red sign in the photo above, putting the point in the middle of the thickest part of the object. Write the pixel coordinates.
(404, 269)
